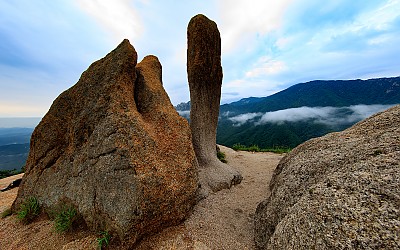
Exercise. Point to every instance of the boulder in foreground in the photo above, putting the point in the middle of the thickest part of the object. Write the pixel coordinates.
(340, 191)
(113, 147)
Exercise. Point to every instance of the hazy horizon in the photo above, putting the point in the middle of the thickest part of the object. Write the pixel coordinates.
(19, 122)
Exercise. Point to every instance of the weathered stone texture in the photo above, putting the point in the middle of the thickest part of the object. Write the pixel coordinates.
(340, 191)
(205, 79)
(114, 147)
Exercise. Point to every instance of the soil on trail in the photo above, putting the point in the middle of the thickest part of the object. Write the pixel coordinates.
(222, 221)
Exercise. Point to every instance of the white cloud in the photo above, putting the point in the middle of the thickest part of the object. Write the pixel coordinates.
(367, 27)
(381, 18)
(184, 113)
(331, 116)
(326, 115)
(119, 17)
(266, 66)
(242, 21)
(296, 115)
(364, 111)
(243, 118)
(283, 42)
(226, 114)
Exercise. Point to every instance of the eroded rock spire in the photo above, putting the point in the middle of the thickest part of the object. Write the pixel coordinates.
(205, 79)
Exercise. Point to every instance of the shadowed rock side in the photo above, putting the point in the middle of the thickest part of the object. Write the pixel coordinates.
(340, 191)
(114, 147)
(205, 80)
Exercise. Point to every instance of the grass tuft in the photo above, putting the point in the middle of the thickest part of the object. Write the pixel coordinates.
(104, 239)
(221, 156)
(64, 219)
(28, 210)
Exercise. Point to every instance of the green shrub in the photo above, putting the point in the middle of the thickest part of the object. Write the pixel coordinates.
(253, 148)
(256, 148)
(6, 213)
(104, 239)
(64, 219)
(277, 150)
(238, 146)
(221, 156)
(28, 210)
(7, 173)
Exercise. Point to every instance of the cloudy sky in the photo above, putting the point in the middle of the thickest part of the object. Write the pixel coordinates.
(267, 45)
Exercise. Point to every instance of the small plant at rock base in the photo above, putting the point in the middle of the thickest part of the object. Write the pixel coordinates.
(65, 219)
(104, 240)
(6, 213)
(28, 210)
(221, 156)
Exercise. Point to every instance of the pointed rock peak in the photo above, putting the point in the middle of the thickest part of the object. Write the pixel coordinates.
(151, 62)
(125, 45)
(122, 54)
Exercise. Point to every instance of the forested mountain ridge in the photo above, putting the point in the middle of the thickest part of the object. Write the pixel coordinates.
(302, 111)
(333, 93)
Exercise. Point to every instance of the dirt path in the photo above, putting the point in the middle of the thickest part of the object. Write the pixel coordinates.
(222, 221)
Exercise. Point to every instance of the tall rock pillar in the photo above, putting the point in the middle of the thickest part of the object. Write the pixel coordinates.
(205, 79)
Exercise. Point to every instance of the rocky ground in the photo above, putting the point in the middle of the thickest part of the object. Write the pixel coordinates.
(222, 221)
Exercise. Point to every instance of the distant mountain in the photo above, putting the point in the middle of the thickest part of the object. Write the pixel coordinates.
(183, 106)
(337, 93)
(15, 135)
(14, 147)
(13, 156)
(304, 111)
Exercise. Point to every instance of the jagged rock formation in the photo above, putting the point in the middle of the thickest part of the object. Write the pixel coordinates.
(183, 106)
(205, 79)
(340, 191)
(114, 147)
